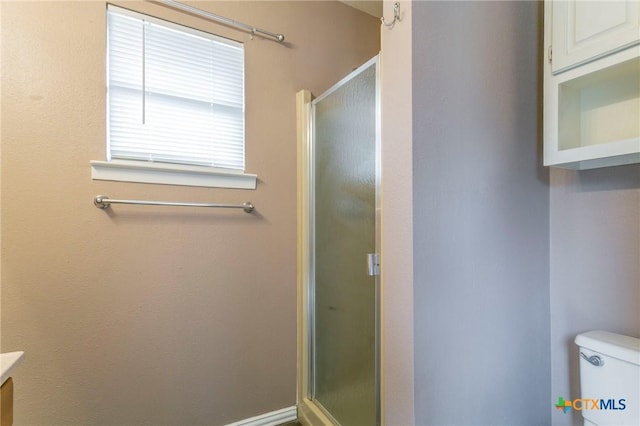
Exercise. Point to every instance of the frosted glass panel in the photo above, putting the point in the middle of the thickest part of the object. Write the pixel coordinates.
(345, 225)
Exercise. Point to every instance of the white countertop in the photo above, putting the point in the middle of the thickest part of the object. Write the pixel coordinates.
(8, 363)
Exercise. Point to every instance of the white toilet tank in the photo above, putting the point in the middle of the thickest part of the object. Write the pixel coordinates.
(609, 379)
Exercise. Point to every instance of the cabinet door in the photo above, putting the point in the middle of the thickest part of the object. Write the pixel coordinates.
(584, 30)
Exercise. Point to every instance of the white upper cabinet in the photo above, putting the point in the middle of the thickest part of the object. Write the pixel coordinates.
(591, 83)
(584, 30)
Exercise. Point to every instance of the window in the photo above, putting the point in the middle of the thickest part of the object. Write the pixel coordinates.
(175, 102)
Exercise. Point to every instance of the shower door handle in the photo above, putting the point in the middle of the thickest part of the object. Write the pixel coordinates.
(373, 264)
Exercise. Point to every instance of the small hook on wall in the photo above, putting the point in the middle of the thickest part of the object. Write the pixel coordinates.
(396, 16)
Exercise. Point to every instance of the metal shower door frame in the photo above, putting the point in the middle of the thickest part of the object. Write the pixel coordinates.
(308, 408)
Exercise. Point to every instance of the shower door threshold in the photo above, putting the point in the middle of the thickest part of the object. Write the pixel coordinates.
(312, 413)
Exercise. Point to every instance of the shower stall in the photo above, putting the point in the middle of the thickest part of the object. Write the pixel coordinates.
(339, 180)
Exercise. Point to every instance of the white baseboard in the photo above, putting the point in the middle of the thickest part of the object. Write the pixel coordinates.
(273, 418)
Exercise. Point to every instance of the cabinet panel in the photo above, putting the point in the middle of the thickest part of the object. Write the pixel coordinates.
(585, 30)
(6, 403)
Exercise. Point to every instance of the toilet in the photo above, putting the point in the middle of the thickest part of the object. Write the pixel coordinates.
(609, 379)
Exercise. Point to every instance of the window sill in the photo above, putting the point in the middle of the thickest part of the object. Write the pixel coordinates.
(171, 174)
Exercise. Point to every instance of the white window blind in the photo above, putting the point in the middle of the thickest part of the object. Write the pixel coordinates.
(175, 95)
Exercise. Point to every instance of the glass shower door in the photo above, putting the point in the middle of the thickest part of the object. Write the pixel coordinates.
(344, 342)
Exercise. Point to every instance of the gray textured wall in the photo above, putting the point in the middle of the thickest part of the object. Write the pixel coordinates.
(595, 265)
(481, 216)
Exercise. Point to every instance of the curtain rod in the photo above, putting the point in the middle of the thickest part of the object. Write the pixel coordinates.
(221, 19)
